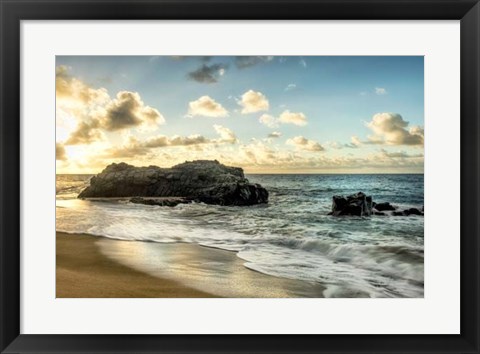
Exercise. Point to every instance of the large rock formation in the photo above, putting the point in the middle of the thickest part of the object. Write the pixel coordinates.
(204, 181)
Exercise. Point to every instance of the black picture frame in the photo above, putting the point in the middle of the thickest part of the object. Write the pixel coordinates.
(14, 11)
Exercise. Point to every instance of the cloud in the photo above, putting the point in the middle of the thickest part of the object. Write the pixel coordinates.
(130, 150)
(303, 63)
(356, 141)
(399, 154)
(208, 73)
(176, 140)
(253, 101)
(128, 110)
(207, 107)
(134, 147)
(303, 143)
(290, 87)
(288, 117)
(243, 62)
(339, 146)
(380, 91)
(68, 88)
(226, 135)
(85, 133)
(268, 120)
(60, 153)
(259, 156)
(275, 135)
(95, 111)
(391, 129)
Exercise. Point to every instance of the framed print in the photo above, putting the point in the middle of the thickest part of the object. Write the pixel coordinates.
(239, 176)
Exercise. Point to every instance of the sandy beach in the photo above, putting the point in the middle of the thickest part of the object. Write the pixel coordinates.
(98, 267)
(84, 272)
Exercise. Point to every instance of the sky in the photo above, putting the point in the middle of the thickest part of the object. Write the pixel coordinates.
(266, 114)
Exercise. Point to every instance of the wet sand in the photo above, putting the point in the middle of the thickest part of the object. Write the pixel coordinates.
(84, 272)
(90, 266)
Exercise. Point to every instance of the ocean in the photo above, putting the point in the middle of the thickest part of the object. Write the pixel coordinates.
(292, 236)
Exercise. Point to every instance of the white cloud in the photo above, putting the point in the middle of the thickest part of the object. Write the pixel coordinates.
(338, 146)
(303, 63)
(176, 140)
(380, 91)
(226, 135)
(288, 117)
(268, 120)
(95, 111)
(355, 141)
(400, 154)
(303, 143)
(391, 129)
(207, 107)
(135, 148)
(72, 92)
(253, 101)
(290, 87)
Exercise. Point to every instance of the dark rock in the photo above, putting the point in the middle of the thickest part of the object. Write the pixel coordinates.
(384, 206)
(412, 211)
(356, 204)
(170, 202)
(361, 205)
(202, 180)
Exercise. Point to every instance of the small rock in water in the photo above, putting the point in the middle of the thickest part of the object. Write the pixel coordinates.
(356, 204)
(412, 211)
(384, 206)
(362, 205)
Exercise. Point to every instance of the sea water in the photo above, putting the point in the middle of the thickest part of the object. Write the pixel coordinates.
(292, 236)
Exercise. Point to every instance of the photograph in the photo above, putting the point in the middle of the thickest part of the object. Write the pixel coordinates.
(239, 176)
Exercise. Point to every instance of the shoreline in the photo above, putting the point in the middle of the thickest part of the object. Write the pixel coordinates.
(83, 272)
(99, 267)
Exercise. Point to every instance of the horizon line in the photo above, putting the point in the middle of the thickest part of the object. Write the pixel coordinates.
(293, 173)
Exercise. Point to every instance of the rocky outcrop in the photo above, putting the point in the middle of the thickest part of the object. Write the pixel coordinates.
(202, 181)
(356, 204)
(360, 204)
